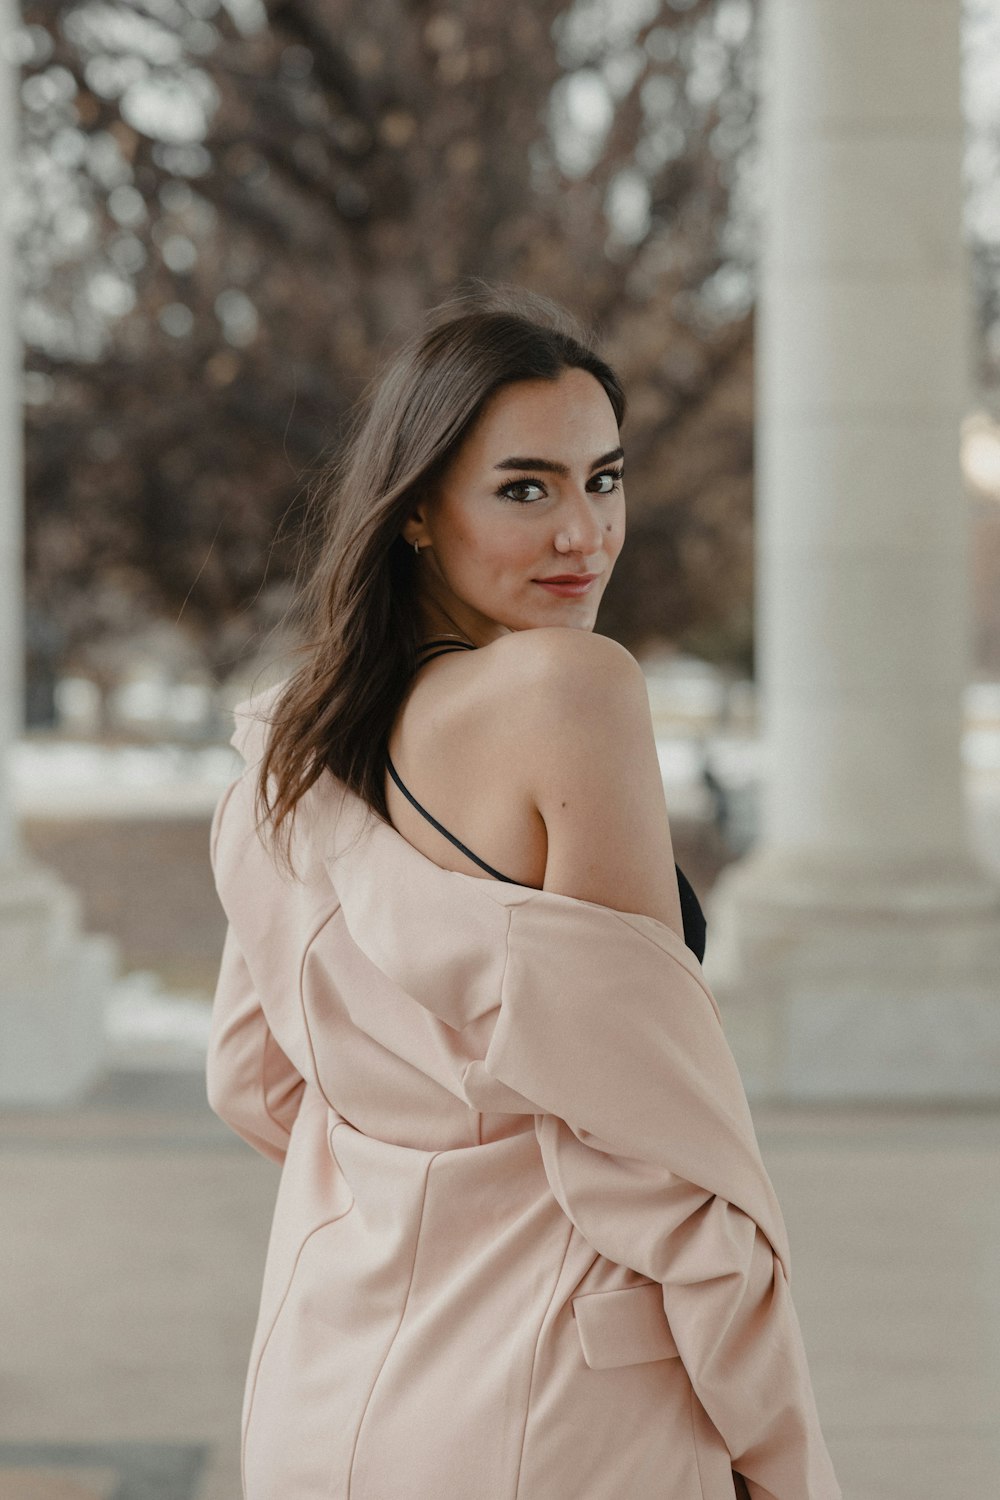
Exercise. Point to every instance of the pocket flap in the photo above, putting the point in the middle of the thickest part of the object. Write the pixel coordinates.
(627, 1326)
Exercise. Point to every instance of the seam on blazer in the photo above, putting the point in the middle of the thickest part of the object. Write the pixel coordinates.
(262, 1078)
(506, 957)
(694, 1435)
(327, 918)
(270, 1041)
(534, 1363)
(503, 977)
(395, 1332)
(317, 1229)
(570, 1228)
(660, 949)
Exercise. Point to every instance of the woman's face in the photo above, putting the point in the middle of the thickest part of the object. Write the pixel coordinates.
(534, 493)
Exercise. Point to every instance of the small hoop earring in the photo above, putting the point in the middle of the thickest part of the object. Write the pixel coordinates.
(416, 548)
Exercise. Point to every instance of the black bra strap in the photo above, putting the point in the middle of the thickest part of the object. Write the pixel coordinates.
(436, 640)
(444, 651)
(447, 643)
(441, 828)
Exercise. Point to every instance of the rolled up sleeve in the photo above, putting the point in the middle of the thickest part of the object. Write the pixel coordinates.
(726, 1298)
(607, 1025)
(250, 1082)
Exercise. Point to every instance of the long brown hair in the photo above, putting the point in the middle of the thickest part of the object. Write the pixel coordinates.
(361, 621)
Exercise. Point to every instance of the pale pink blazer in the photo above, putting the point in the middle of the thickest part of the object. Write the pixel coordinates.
(524, 1245)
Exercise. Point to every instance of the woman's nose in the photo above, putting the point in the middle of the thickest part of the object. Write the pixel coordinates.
(580, 528)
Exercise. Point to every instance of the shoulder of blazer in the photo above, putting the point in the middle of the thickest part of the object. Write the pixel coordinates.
(253, 721)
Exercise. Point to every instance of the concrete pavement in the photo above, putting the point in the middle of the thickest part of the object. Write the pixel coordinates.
(135, 1232)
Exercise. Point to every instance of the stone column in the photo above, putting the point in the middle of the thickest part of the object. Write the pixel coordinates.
(856, 950)
(52, 981)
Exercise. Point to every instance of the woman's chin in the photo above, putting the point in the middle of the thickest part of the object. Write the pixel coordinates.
(571, 620)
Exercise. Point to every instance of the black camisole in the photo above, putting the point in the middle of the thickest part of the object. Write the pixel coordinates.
(693, 916)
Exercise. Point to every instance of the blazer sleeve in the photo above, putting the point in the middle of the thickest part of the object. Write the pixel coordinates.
(726, 1297)
(648, 1146)
(251, 1084)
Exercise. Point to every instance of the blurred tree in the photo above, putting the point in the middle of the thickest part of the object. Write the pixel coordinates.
(232, 214)
(232, 211)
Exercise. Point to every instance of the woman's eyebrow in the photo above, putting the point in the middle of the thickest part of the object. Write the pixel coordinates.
(549, 465)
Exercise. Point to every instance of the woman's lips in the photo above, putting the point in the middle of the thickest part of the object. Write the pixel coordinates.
(568, 588)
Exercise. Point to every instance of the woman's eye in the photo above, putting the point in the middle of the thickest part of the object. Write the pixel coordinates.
(517, 488)
(521, 490)
(612, 478)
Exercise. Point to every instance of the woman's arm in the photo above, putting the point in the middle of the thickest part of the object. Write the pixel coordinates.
(577, 714)
(250, 1082)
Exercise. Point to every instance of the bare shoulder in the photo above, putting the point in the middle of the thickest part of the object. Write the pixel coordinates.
(570, 684)
(572, 663)
(576, 717)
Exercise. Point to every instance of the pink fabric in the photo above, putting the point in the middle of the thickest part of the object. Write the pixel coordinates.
(524, 1246)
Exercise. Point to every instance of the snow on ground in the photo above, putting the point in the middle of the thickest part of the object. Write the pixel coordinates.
(148, 1027)
(76, 779)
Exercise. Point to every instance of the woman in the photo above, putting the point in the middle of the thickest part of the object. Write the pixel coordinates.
(524, 1243)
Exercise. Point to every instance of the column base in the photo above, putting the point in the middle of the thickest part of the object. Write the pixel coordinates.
(838, 981)
(54, 981)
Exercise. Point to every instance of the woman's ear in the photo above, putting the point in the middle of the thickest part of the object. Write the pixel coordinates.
(413, 528)
(415, 525)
